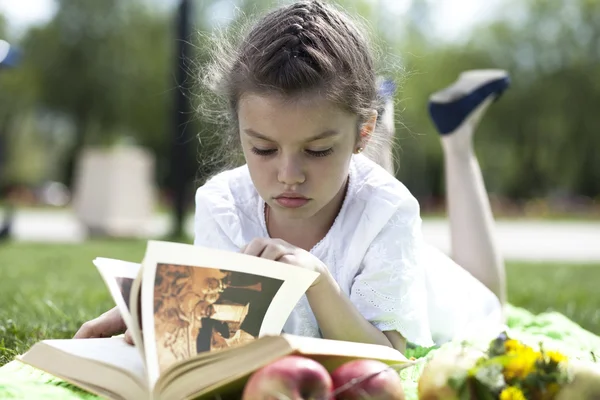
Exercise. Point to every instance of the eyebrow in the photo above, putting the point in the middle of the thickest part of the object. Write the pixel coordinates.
(322, 135)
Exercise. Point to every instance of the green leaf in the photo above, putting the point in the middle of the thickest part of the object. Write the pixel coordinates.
(482, 392)
(465, 392)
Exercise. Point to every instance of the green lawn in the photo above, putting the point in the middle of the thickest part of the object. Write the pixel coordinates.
(47, 291)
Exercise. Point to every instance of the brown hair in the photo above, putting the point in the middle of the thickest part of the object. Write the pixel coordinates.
(306, 47)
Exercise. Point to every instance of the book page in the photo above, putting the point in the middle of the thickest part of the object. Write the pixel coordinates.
(119, 276)
(109, 363)
(136, 315)
(341, 348)
(197, 300)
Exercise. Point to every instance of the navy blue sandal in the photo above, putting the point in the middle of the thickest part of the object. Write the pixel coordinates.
(9, 57)
(451, 106)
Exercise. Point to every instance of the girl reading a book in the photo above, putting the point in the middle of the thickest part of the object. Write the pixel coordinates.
(302, 96)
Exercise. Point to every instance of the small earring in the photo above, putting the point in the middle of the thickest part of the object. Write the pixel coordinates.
(359, 150)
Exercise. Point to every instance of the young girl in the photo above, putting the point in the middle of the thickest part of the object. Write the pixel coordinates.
(303, 104)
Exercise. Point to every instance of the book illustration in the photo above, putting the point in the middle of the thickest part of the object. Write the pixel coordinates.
(201, 309)
(184, 294)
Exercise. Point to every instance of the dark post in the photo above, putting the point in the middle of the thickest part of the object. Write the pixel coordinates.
(9, 58)
(179, 157)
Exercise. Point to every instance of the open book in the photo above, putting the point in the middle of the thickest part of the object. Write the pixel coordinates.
(202, 321)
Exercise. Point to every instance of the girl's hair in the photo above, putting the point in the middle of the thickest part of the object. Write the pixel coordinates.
(307, 47)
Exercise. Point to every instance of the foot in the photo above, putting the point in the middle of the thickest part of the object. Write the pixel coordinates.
(464, 102)
(8, 55)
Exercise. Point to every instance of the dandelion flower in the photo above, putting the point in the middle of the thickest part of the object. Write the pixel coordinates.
(522, 364)
(556, 357)
(513, 346)
(512, 393)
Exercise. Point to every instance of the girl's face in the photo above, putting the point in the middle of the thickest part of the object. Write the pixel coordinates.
(298, 151)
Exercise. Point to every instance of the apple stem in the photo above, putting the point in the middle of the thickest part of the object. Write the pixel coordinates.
(401, 366)
(353, 382)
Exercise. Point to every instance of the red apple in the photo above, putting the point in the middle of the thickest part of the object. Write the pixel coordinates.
(381, 383)
(291, 377)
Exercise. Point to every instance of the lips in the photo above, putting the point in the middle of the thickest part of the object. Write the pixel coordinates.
(291, 200)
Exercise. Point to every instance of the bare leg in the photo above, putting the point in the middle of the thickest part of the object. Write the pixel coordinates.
(469, 211)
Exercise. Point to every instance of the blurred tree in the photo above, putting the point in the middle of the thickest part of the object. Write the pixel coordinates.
(17, 95)
(538, 140)
(104, 64)
(549, 119)
(108, 66)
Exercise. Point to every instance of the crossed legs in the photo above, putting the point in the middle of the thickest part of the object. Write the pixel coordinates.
(456, 112)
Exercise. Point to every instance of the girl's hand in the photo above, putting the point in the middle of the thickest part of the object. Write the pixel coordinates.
(106, 325)
(280, 250)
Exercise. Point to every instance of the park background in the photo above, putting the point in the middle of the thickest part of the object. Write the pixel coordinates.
(108, 77)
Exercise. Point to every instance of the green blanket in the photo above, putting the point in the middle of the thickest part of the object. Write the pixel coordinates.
(19, 381)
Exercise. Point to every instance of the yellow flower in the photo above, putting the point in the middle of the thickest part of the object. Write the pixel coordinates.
(521, 364)
(512, 393)
(513, 346)
(556, 356)
(552, 389)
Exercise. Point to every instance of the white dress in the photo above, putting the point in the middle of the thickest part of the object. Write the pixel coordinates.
(374, 250)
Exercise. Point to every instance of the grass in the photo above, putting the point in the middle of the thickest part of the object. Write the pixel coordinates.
(48, 291)
(569, 289)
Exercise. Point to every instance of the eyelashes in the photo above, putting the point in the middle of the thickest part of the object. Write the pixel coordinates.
(320, 153)
(263, 153)
(312, 153)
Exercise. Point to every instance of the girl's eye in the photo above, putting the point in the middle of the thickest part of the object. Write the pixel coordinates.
(320, 153)
(312, 153)
(263, 152)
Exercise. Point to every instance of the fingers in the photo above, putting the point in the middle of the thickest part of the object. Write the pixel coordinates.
(128, 337)
(96, 328)
(255, 247)
(85, 331)
(320, 268)
(288, 259)
(108, 324)
(271, 249)
(274, 251)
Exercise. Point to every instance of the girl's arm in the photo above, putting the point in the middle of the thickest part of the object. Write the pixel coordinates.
(337, 316)
(339, 319)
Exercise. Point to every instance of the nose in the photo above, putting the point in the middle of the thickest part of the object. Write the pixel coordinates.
(291, 170)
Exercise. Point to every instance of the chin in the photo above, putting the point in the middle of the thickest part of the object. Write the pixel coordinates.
(297, 213)
(305, 212)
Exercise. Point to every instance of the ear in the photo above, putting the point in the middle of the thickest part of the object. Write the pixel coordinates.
(366, 131)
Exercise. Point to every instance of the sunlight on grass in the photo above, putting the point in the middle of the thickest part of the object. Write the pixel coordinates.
(48, 291)
(568, 289)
